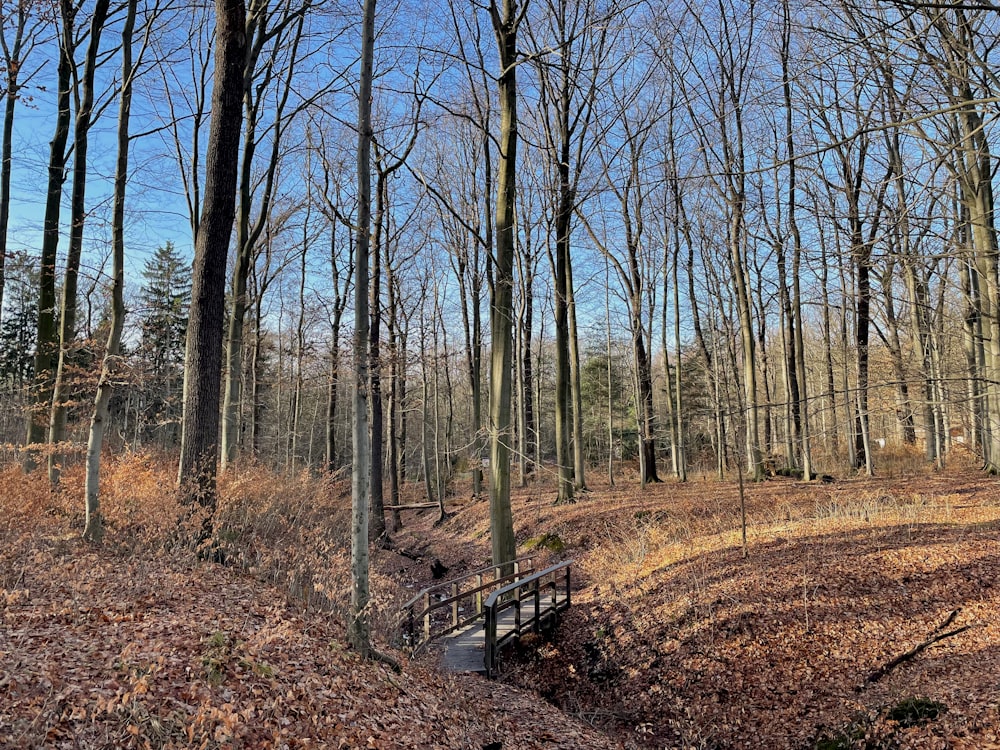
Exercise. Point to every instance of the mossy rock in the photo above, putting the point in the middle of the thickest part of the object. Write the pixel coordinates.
(551, 542)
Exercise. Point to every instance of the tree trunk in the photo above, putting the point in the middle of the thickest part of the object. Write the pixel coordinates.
(78, 215)
(504, 546)
(396, 374)
(358, 631)
(797, 362)
(203, 356)
(376, 529)
(575, 390)
(564, 424)
(47, 338)
(904, 409)
(93, 527)
(14, 53)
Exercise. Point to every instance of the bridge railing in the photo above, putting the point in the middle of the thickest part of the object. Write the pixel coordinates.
(546, 593)
(447, 606)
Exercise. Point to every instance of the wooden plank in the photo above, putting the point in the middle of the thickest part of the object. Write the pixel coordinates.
(465, 649)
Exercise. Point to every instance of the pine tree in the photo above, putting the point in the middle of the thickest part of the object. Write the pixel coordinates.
(17, 325)
(164, 299)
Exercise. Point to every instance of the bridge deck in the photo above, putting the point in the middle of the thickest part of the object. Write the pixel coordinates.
(465, 649)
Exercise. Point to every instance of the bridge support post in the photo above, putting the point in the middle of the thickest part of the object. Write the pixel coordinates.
(537, 596)
(491, 641)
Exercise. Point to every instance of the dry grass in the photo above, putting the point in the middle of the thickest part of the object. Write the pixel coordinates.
(139, 644)
(676, 640)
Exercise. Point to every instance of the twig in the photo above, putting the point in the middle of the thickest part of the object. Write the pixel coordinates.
(882, 671)
(950, 619)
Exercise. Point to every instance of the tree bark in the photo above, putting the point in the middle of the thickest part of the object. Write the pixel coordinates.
(203, 356)
(358, 630)
(93, 527)
(47, 338)
(504, 547)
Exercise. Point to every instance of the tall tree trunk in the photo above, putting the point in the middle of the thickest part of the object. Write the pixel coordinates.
(395, 375)
(862, 442)
(14, 54)
(575, 390)
(93, 527)
(439, 472)
(425, 454)
(78, 215)
(564, 425)
(300, 348)
(504, 546)
(47, 337)
(376, 529)
(340, 300)
(668, 391)
(203, 356)
(680, 462)
(796, 355)
(358, 630)
(972, 337)
(527, 433)
(904, 408)
(755, 463)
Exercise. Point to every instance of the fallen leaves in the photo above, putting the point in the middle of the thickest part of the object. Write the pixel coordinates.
(116, 649)
(674, 640)
(689, 645)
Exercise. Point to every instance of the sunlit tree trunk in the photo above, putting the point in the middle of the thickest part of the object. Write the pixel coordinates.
(93, 527)
(506, 20)
(358, 630)
(203, 357)
(78, 215)
(47, 338)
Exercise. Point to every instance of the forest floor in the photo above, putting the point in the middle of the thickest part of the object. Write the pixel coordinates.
(675, 638)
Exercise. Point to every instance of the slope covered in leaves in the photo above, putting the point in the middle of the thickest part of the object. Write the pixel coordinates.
(133, 646)
(676, 640)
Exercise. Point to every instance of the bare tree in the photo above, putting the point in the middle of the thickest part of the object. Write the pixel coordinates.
(98, 422)
(569, 81)
(716, 101)
(358, 628)
(203, 357)
(505, 19)
(47, 338)
(282, 29)
(26, 23)
(78, 214)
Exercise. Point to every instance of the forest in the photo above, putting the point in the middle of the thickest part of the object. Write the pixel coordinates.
(418, 255)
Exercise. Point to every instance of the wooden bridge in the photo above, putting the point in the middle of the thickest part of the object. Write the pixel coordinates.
(475, 615)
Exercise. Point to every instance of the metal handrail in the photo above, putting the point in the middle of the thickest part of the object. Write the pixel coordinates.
(455, 593)
(518, 563)
(511, 596)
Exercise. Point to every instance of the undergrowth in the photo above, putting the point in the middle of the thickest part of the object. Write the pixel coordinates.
(289, 531)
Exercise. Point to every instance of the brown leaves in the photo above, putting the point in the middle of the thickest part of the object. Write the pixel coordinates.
(110, 648)
(678, 642)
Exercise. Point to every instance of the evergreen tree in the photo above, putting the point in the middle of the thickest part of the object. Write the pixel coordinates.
(17, 325)
(164, 301)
